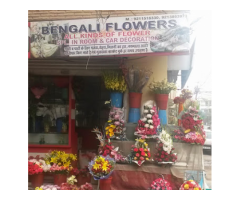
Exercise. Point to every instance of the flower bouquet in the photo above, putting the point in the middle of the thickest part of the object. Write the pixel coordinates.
(69, 185)
(185, 94)
(101, 167)
(60, 165)
(41, 162)
(192, 124)
(190, 185)
(140, 152)
(160, 184)
(106, 148)
(114, 81)
(162, 87)
(165, 149)
(115, 126)
(149, 125)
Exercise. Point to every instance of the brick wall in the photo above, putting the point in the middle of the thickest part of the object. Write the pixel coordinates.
(45, 15)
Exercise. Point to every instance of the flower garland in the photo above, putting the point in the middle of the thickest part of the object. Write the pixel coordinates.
(150, 123)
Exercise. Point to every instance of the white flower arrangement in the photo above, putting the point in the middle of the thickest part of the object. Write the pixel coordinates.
(145, 111)
(151, 127)
(166, 139)
(71, 180)
(146, 125)
(150, 106)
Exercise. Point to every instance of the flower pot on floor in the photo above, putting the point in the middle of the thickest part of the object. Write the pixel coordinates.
(37, 180)
(105, 184)
(59, 179)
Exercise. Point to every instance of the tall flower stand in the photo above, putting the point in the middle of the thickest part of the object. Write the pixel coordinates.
(162, 100)
(105, 184)
(135, 105)
(116, 99)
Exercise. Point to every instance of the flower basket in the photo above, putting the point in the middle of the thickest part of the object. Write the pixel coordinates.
(135, 100)
(38, 92)
(37, 180)
(83, 180)
(161, 100)
(59, 179)
(105, 184)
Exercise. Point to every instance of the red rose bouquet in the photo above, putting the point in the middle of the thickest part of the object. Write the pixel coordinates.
(191, 137)
(190, 185)
(164, 147)
(34, 168)
(164, 157)
(140, 152)
(160, 184)
(149, 125)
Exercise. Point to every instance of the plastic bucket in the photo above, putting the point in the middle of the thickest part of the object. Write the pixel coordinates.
(135, 100)
(162, 114)
(116, 99)
(105, 184)
(59, 179)
(37, 180)
(162, 100)
(134, 115)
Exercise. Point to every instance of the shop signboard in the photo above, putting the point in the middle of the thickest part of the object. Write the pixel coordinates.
(110, 36)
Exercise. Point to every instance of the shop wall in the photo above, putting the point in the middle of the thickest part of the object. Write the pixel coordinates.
(46, 15)
(158, 65)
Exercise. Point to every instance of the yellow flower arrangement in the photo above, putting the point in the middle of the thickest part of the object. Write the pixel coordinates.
(114, 80)
(60, 158)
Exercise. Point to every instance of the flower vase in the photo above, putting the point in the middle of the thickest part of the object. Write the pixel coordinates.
(37, 180)
(116, 99)
(59, 179)
(105, 184)
(83, 180)
(180, 109)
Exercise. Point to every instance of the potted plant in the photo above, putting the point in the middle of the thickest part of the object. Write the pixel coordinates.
(101, 169)
(83, 175)
(61, 165)
(114, 81)
(36, 173)
(162, 90)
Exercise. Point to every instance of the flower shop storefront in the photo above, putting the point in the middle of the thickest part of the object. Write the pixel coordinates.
(98, 100)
